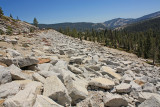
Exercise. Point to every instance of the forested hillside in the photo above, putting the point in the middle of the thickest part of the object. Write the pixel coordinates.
(81, 26)
(145, 25)
(144, 44)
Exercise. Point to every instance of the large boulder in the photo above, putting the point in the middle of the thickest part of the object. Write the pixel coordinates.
(111, 72)
(102, 83)
(5, 75)
(54, 89)
(114, 100)
(123, 88)
(76, 89)
(19, 61)
(43, 101)
(26, 97)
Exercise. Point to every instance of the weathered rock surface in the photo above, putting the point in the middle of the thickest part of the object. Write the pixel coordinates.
(54, 89)
(102, 83)
(5, 75)
(111, 72)
(43, 101)
(26, 97)
(76, 89)
(112, 100)
(123, 88)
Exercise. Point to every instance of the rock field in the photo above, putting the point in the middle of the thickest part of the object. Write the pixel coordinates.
(49, 69)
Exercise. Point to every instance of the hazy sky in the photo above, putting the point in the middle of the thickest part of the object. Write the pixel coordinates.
(57, 11)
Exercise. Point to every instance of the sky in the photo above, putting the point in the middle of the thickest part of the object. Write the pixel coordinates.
(59, 11)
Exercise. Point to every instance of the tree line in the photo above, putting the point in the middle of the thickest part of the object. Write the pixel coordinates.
(144, 44)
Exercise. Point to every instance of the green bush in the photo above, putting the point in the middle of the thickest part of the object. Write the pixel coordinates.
(9, 30)
(1, 32)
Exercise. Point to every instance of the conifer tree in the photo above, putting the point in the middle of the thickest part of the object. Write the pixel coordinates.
(1, 12)
(35, 22)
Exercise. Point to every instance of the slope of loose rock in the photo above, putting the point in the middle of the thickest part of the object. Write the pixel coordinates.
(49, 68)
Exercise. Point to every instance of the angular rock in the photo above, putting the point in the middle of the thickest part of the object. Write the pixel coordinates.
(74, 69)
(54, 89)
(26, 97)
(45, 67)
(47, 73)
(5, 75)
(61, 64)
(102, 83)
(9, 89)
(76, 89)
(111, 72)
(123, 88)
(38, 78)
(77, 60)
(12, 53)
(149, 87)
(20, 62)
(135, 86)
(114, 100)
(153, 101)
(17, 74)
(95, 67)
(145, 95)
(43, 101)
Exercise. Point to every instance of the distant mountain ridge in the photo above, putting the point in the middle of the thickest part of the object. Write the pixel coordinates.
(111, 24)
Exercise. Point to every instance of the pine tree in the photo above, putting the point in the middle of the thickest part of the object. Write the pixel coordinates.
(11, 16)
(1, 12)
(17, 18)
(35, 22)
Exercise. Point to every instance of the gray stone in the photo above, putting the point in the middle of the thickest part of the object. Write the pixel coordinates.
(61, 64)
(135, 86)
(123, 88)
(17, 74)
(61, 52)
(76, 89)
(114, 100)
(20, 62)
(74, 69)
(54, 89)
(26, 97)
(153, 101)
(102, 83)
(95, 67)
(77, 60)
(43, 101)
(9, 89)
(5, 75)
(12, 53)
(47, 73)
(142, 96)
(149, 87)
(38, 78)
(45, 67)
